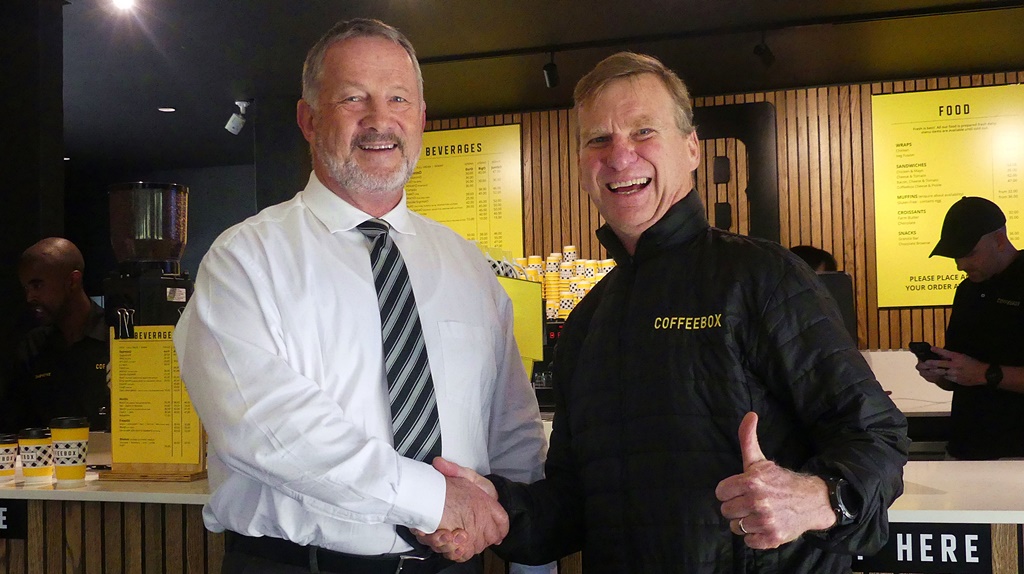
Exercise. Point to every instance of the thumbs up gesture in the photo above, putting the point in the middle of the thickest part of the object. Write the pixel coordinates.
(767, 504)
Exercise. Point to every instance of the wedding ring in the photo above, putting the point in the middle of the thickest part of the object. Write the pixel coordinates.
(740, 524)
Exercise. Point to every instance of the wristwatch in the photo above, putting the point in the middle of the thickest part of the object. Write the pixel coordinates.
(993, 376)
(836, 488)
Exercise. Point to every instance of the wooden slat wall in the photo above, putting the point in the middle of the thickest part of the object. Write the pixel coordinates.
(826, 186)
(112, 537)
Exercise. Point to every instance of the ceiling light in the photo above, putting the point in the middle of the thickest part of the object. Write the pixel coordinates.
(551, 72)
(166, 110)
(124, 4)
(237, 120)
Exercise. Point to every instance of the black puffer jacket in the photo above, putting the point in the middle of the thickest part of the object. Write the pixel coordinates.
(654, 371)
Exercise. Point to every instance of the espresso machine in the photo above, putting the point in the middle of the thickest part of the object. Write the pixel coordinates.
(148, 231)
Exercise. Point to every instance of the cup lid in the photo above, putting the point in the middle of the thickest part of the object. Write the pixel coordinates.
(8, 438)
(34, 433)
(69, 423)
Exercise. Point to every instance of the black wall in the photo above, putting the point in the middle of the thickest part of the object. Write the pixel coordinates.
(31, 141)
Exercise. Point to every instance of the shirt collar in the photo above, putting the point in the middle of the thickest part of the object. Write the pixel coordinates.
(339, 215)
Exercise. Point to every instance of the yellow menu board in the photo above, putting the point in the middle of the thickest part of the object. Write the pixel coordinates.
(152, 419)
(472, 181)
(930, 149)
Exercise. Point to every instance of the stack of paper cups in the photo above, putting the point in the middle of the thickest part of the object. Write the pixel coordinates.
(566, 304)
(565, 270)
(551, 308)
(578, 267)
(552, 286)
(534, 262)
(552, 262)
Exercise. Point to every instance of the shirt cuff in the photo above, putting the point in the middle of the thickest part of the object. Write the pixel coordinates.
(419, 502)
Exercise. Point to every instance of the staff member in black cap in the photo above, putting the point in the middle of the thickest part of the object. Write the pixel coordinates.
(984, 354)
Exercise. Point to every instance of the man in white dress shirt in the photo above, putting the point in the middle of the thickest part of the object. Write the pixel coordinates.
(280, 346)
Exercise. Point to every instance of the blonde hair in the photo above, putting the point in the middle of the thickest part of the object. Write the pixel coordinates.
(628, 64)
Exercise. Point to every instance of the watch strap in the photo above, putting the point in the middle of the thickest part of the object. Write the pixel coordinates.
(993, 376)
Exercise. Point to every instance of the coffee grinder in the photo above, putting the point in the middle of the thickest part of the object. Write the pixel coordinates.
(148, 231)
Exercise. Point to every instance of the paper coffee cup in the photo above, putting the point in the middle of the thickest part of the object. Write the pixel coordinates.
(8, 456)
(36, 451)
(70, 437)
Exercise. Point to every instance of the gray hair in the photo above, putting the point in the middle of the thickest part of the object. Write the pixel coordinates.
(313, 68)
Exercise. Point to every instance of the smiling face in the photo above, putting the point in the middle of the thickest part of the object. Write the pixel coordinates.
(366, 127)
(635, 162)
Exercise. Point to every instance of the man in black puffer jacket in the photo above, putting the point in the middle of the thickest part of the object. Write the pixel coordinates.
(655, 463)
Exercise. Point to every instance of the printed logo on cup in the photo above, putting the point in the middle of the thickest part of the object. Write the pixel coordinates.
(70, 452)
(36, 456)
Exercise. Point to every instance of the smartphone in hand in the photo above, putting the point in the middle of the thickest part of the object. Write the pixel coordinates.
(923, 351)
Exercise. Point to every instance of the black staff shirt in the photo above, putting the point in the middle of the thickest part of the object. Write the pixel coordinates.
(53, 379)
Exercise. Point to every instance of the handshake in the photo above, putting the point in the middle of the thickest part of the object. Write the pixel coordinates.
(472, 518)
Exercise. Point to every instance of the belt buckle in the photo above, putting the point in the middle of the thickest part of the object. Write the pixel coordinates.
(404, 557)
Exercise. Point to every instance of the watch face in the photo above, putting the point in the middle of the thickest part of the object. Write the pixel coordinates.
(836, 489)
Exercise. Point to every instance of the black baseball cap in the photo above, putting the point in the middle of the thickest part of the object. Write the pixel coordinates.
(966, 222)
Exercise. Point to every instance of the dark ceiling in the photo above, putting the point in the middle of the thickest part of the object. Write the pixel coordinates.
(480, 56)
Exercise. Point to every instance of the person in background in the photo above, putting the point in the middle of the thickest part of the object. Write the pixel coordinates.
(983, 361)
(819, 260)
(657, 462)
(61, 366)
(281, 345)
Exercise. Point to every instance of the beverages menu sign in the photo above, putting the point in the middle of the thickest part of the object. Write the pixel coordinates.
(152, 417)
(472, 181)
(930, 149)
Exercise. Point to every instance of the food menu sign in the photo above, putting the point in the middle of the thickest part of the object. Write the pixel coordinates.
(472, 181)
(930, 149)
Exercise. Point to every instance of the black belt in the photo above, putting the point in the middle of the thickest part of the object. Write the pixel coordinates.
(317, 559)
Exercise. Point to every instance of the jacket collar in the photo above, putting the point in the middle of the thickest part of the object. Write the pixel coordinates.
(682, 222)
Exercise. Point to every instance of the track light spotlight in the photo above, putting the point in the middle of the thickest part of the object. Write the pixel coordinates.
(237, 120)
(551, 72)
(764, 53)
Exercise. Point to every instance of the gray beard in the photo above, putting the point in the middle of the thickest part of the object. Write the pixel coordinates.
(347, 173)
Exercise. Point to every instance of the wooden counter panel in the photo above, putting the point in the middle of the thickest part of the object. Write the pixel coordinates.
(96, 537)
(1005, 545)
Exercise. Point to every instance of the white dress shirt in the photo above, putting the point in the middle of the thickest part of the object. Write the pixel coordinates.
(280, 349)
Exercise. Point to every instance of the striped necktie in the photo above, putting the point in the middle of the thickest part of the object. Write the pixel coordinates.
(414, 420)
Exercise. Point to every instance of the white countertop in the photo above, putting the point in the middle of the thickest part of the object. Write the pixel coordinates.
(987, 492)
(94, 490)
(970, 492)
(913, 395)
